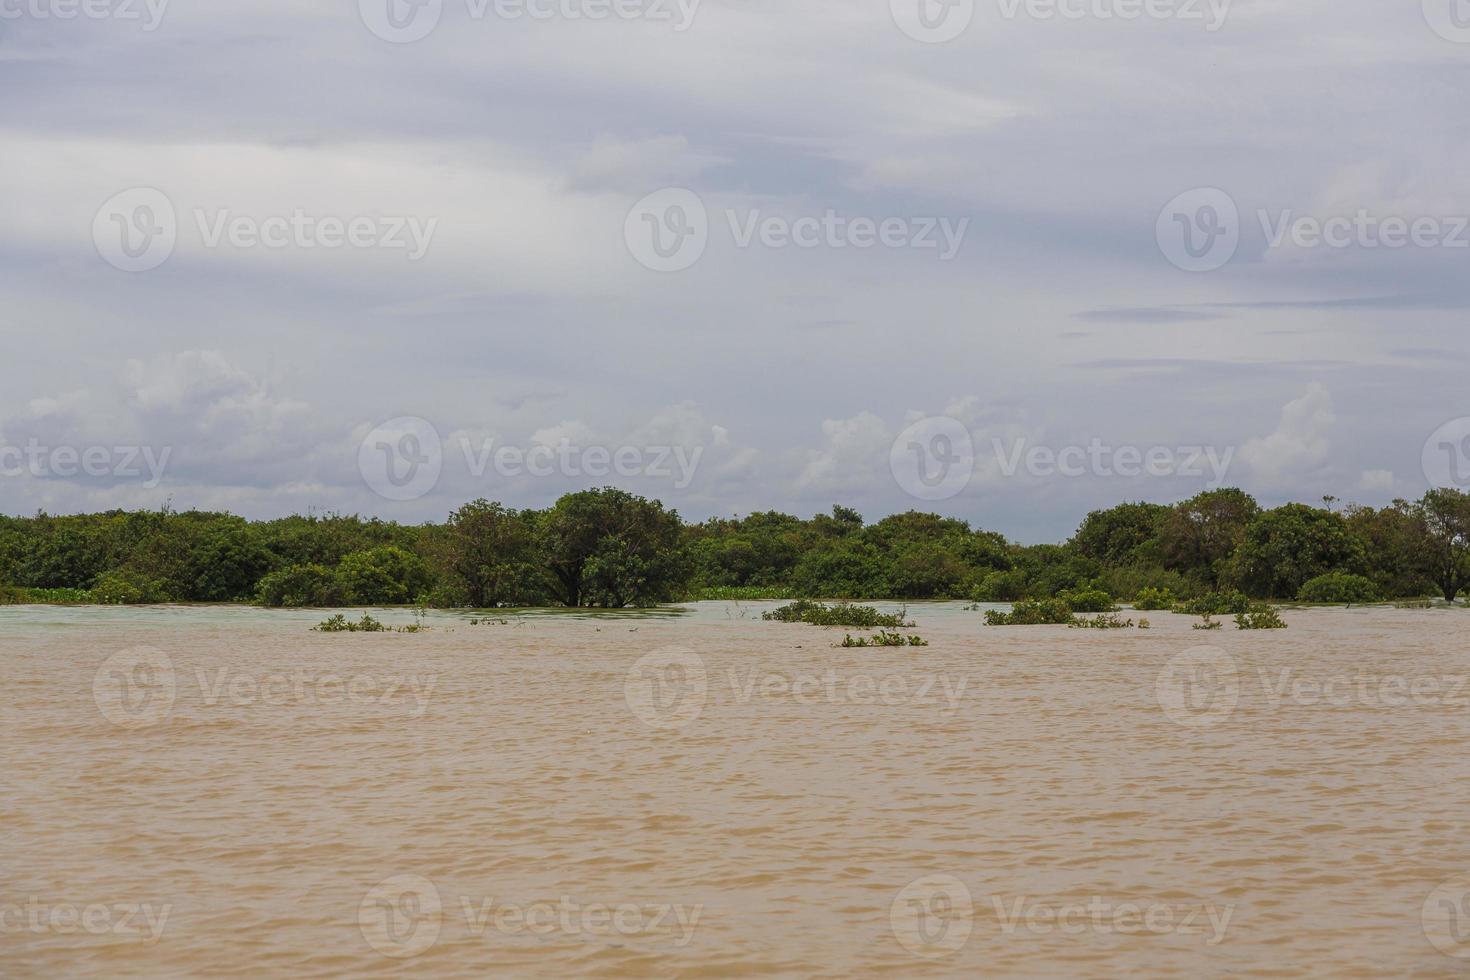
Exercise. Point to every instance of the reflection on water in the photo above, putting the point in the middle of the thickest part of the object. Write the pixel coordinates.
(219, 791)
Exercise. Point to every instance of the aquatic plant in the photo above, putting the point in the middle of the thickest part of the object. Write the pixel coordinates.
(1208, 622)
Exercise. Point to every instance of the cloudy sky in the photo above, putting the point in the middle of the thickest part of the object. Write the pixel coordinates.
(977, 257)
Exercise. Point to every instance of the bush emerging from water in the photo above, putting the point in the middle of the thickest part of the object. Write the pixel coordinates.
(1151, 598)
(1260, 617)
(884, 639)
(1339, 587)
(1102, 621)
(125, 587)
(1216, 604)
(341, 624)
(1088, 600)
(1208, 622)
(840, 614)
(1032, 612)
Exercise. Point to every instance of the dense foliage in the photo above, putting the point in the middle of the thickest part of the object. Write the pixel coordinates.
(605, 547)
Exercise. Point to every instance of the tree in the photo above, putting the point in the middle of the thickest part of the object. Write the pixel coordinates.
(228, 565)
(383, 576)
(488, 554)
(1123, 535)
(1199, 536)
(1397, 545)
(1446, 516)
(608, 547)
(1287, 546)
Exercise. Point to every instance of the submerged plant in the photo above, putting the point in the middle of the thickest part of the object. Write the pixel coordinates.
(1208, 622)
(1260, 617)
(367, 624)
(1104, 621)
(884, 639)
(1032, 612)
(840, 614)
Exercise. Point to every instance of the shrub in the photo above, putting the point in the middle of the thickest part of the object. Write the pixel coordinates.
(1208, 622)
(1151, 598)
(1088, 600)
(341, 624)
(1000, 587)
(1260, 617)
(1032, 612)
(1216, 604)
(1128, 581)
(1339, 587)
(300, 585)
(841, 614)
(884, 639)
(1102, 621)
(125, 587)
(382, 577)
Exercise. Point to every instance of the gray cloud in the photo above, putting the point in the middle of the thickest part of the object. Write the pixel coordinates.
(529, 141)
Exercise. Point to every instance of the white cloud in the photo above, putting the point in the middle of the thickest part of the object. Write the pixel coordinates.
(1299, 445)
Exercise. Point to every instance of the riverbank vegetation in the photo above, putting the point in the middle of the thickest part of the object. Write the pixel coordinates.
(1216, 552)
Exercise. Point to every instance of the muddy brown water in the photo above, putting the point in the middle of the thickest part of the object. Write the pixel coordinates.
(222, 792)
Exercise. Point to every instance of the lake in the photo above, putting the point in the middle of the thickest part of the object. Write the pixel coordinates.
(695, 792)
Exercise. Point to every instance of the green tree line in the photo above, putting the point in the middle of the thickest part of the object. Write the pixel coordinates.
(606, 547)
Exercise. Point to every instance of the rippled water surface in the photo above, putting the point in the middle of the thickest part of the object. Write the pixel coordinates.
(218, 792)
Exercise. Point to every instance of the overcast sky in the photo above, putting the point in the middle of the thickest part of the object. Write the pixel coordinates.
(239, 238)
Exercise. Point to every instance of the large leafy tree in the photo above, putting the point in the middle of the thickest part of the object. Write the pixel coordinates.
(1200, 535)
(1286, 546)
(1446, 524)
(488, 556)
(1123, 535)
(608, 547)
